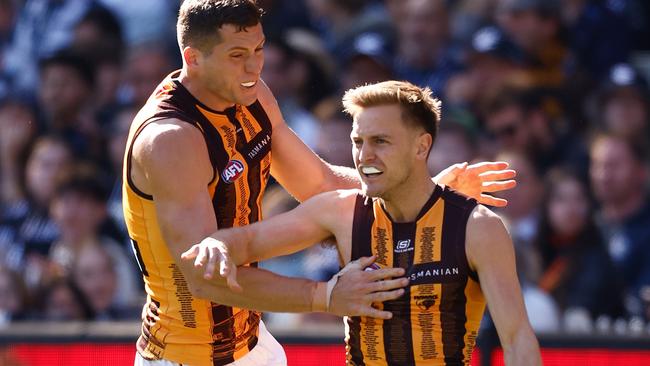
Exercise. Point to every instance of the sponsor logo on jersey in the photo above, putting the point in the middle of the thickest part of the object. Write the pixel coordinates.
(232, 171)
(403, 246)
(425, 302)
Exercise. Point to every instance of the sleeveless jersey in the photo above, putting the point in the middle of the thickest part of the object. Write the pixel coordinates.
(436, 321)
(177, 326)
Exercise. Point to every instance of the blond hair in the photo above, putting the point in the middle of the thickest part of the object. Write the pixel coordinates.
(419, 107)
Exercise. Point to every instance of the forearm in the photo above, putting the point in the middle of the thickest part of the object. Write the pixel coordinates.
(522, 350)
(262, 291)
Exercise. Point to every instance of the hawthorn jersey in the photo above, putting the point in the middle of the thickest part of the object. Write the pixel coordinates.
(177, 326)
(436, 321)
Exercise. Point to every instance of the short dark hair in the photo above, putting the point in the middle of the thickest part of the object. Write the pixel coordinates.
(199, 20)
(88, 187)
(419, 107)
(74, 60)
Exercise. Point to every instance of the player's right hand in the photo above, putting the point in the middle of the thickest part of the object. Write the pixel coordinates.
(356, 290)
(209, 253)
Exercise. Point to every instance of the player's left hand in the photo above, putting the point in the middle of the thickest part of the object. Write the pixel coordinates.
(476, 180)
(209, 253)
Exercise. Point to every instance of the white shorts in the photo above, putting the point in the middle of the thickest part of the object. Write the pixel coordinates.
(267, 352)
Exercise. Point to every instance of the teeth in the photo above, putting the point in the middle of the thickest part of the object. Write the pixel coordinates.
(370, 170)
(248, 84)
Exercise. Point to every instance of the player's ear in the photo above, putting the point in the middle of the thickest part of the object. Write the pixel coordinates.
(191, 56)
(423, 145)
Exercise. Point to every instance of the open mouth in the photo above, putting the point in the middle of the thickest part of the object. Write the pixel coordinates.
(248, 84)
(370, 171)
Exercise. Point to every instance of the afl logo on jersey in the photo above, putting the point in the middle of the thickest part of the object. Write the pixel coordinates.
(232, 171)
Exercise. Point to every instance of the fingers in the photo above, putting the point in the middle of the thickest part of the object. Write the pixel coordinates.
(488, 165)
(211, 264)
(486, 199)
(191, 253)
(231, 280)
(202, 256)
(364, 262)
(450, 173)
(498, 175)
(388, 285)
(385, 273)
(386, 295)
(375, 313)
(498, 186)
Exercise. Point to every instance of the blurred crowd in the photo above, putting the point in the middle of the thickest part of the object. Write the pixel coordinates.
(556, 88)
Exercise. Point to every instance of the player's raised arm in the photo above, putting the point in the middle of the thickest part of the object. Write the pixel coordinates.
(490, 252)
(298, 169)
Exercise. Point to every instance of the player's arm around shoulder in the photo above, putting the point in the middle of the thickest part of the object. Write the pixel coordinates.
(171, 163)
(490, 253)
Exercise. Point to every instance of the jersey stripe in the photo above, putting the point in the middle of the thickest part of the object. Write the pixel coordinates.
(398, 341)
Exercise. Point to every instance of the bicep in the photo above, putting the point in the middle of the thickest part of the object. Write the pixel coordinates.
(177, 170)
(491, 253)
(295, 166)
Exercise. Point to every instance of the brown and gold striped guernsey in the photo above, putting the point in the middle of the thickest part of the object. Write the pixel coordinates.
(437, 319)
(176, 326)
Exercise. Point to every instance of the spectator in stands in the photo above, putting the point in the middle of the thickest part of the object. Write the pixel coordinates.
(367, 61)
(146, 65)
(492, 63)
(78, 209)
(98, 37)
(43, 28)
(454, 144)
(17, 129)
(13, 296)
(576, 268)
(26, 226)
(619, 178)
(117, 133)
(8, 13)
(522, 213)
(65, 97)
(529, 121)
(62, 300)
(95, 272)
(624, 103)
(340, 21)
(534, 26)
(599, 36)
(287, 71)
(425, 56)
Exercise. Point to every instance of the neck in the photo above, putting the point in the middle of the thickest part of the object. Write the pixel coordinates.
(194, 85)
(620, 210)
(406, 203)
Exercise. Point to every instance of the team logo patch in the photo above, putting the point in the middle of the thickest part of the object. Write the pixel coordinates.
(425, 302)
(403, 246)
(232, 171)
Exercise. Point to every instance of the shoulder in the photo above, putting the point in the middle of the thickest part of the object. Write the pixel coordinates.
(487, 236)
(169, 140)
(482, 217)
(269, 103)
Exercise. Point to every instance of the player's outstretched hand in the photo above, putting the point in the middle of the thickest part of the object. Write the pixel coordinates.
(478, 179)
(209, 253)
(356, 289)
